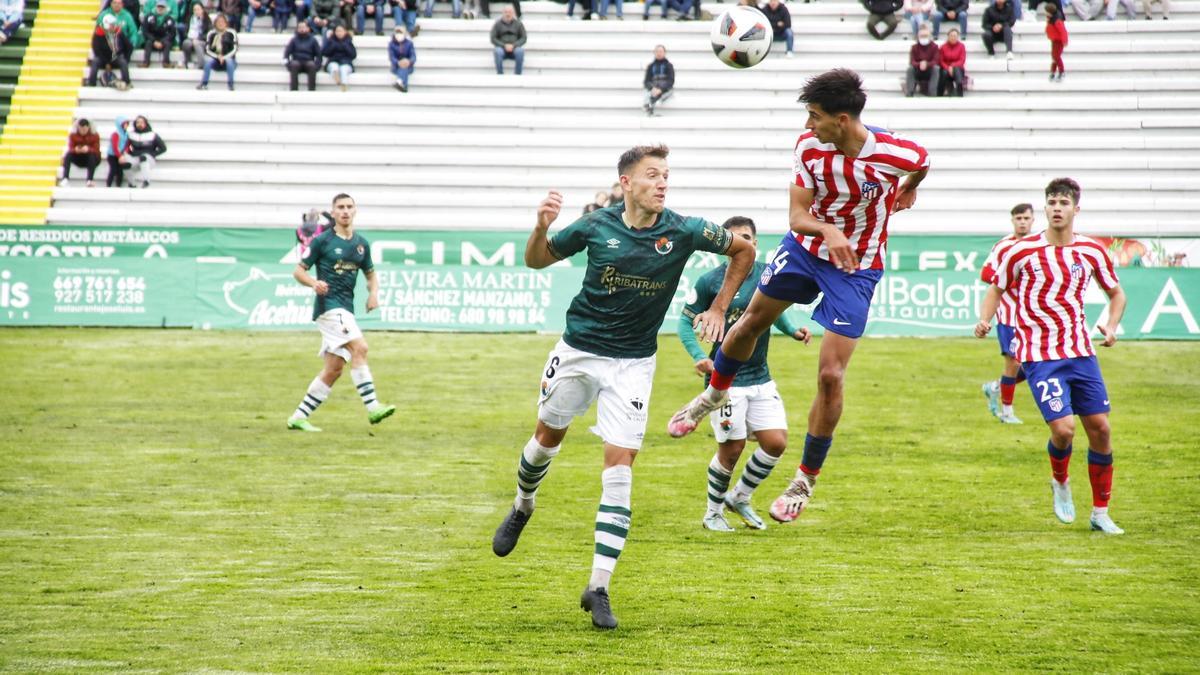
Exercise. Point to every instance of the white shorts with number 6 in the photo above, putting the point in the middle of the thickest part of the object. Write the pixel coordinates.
(755, 408)
(572, 379)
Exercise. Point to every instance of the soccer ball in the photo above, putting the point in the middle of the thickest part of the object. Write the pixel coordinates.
(741, 37)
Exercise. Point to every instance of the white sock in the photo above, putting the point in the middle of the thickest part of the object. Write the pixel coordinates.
(612, 523)
(757, 468)
(317, 392)
(1099, 510)
(532, 468)
(365, 386)
(1006, 410)
(718, 485)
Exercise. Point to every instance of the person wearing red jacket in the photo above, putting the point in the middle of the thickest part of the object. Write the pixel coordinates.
(1056, 31)
(952, 61)
(922, 64)
(83, 150)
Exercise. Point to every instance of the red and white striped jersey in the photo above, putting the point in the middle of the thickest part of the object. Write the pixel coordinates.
(1050, 282)
(1008, 301)
(856, 194)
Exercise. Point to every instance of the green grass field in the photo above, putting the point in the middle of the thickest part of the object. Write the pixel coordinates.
(155, 515)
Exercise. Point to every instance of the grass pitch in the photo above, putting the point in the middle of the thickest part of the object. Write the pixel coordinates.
(156, 515)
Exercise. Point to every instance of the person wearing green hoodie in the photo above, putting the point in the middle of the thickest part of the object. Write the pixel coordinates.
(127, 22)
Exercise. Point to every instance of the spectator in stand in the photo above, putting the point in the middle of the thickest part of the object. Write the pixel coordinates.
(951, 10)
(281, 13)
(118, 153)
(111, 48)
(1148, 5)
(998, 21)
(621, 8)
(302, 55)
(659, 80)
(455, 8)
(952, 60)
(255, 9)
(345, 13)
(220, 47)
(145, 146)
(158, 30)
(882, 11)
(232, 9)
(406, 11)
(922, 64)
(587, 9)
(487, 14)
(339, 54)
(83, 150)
(126, 20)
(508, 40)
(598, 202)
(301, 8)
(918, 13)
(681, 6)
(1111, 9)
(403, 57)
(12, 15)
(324, 16)
(469, 9)
(1087, 10)
(369, 8)
(1056, 32)
(781, 23)
(192, 43)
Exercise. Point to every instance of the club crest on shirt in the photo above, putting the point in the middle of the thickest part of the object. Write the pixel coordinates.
(1076, 271)
(870, 189)
(663, 245)
(360, 249)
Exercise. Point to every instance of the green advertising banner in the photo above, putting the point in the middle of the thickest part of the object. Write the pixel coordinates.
(181, 292)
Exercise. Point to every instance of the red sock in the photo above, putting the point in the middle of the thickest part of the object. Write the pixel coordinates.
(1101, 477)
(1058, 467)
(1006, 393)
(811, 472)
(721, 382)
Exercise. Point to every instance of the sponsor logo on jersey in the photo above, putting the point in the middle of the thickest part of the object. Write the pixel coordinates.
(614, 243)
(663, 245)
(612, 278)
(338, 251)
(342, 267)
(870, 189)
(637, 403)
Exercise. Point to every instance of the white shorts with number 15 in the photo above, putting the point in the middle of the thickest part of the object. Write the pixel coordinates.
(755, 408)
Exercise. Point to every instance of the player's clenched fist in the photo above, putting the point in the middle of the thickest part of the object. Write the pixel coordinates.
(549, 209)
(321, 288)
(982, 329)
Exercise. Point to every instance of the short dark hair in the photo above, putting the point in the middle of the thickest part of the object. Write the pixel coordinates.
(632, 156)
(1020, 208)
(740, 221)
(836, 91)
(340, 196)
(1065, 187)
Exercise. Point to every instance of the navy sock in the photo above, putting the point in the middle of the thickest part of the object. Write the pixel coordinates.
(724, 370)
(815, 449)
(1006, 380)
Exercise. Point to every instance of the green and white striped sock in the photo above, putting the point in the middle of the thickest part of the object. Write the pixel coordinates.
(317, 392)
(757, 468)
(366, 387)
(612, 523)
(535, 462)
(718, 485)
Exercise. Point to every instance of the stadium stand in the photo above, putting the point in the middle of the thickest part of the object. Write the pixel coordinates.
(468, 149)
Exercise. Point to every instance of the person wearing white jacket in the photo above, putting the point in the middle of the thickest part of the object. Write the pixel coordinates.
(12, 15)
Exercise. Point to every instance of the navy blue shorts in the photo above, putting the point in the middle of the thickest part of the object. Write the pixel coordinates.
(1067, 387)
(1007, 335)
(795, 275)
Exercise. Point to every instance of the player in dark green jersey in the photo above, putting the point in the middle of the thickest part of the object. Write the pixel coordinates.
(636, 252)
(339, 254)
(754, 406)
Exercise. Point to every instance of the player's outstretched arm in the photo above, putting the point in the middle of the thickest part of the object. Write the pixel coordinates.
(537, 248)
(711, 322)
(987, 311)
(1116, 309)
(801, 221)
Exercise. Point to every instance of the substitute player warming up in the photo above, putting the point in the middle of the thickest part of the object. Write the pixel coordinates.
(1050, 273)
(999, 393)
(754, 403)
(848, 179)
(339, 254)
(636, 252)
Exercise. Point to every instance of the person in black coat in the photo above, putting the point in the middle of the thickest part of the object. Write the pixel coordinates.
(158, 34)
(145, 146)
(659, 80)
(110, 48)
(781, 23)
(303, 55)
(950, 10)
(339, 54)
(882, 11)
(998, 20)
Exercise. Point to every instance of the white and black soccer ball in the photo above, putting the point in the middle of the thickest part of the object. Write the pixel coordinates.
(741, 37)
